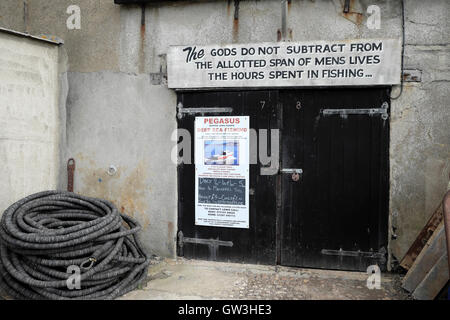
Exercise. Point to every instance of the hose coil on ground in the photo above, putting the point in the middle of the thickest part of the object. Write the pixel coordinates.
(47, 237)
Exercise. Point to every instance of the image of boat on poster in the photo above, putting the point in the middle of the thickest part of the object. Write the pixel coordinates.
(221, 152)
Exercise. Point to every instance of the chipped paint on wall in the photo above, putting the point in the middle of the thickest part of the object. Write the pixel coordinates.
(127, 188)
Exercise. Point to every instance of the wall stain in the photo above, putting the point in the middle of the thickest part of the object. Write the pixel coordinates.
(133, 193)
(170, 233)
(235, 31)
(142, 42)
(170, 237)
(127, 189)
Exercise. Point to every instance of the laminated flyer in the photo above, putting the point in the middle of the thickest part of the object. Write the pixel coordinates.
(222, 171)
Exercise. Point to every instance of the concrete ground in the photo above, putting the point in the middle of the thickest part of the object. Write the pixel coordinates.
(195, 279)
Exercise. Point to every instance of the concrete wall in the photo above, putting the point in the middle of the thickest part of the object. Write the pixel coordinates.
(121, 120)
(29, 117)
(120, 112)
(420, 124)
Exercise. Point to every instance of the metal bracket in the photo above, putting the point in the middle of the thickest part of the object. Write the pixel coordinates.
(213, 244)
(412, 75)
(182, 111)
(160, 78)
(383, 111)
(291, 170)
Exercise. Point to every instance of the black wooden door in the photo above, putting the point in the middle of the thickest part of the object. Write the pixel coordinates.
(335, 215)
(256, 244)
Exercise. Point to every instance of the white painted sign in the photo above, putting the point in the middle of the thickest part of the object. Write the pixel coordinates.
(283, 64)
(222, 171)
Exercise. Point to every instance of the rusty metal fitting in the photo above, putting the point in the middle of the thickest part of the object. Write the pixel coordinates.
(70, 172)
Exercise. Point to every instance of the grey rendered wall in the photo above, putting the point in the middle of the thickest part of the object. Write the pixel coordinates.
(420, 124)
(120, 112)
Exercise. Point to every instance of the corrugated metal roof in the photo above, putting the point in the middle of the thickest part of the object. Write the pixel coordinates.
(45, 38)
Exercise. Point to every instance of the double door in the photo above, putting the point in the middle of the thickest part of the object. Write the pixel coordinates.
(324, 203)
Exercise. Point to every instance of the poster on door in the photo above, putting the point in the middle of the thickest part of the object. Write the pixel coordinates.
(222, 171)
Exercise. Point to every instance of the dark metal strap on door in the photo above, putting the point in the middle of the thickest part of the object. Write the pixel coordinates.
(213, 244)
(182, 111)
(70, 172)
(380, 255)
(383, 111)
(446, 206)
(291, 170)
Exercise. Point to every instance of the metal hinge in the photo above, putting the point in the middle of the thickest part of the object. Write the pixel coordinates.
(182, 111)
(412, 75)
(380, 255)
(213, 244)
(292, 170)
(369, 111)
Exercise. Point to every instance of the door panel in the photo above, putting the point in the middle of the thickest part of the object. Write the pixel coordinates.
(339, 205)
(253, 245)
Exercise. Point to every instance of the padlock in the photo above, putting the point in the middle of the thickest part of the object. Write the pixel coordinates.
(295, 176)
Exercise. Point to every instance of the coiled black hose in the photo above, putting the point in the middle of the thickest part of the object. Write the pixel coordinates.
(46, 234)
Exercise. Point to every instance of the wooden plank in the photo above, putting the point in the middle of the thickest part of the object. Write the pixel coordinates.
(435, 280)
(427, 258)
(422, 238)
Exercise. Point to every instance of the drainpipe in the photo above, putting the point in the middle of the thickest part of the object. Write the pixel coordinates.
(446, 206)
(284, 5)
(25, 16)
